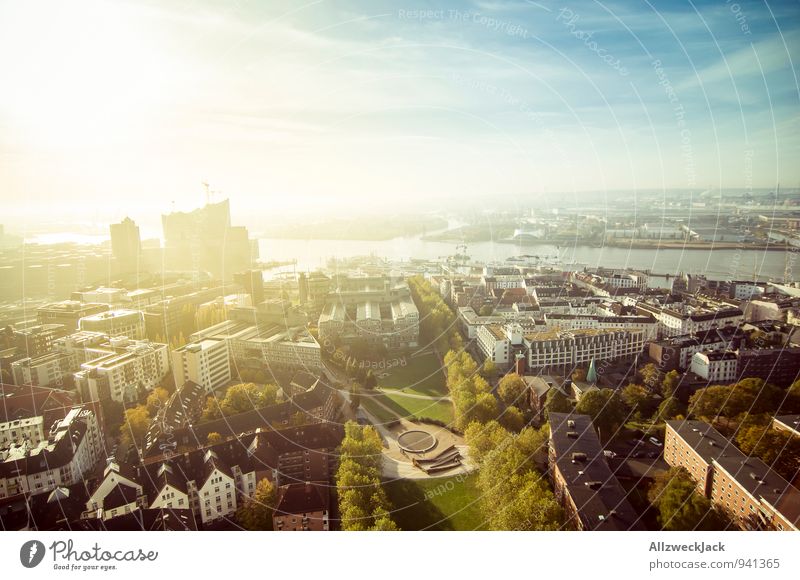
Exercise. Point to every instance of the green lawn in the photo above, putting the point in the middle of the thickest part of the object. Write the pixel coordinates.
(406, 407)
(444, 503)
(422, 375)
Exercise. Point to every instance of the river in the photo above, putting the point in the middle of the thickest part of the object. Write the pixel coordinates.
(717, 264)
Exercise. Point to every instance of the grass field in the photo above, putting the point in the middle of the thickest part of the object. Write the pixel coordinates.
(445, 503)
(422, 375)
(407, 407)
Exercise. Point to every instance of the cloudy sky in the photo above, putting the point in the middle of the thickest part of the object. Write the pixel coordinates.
(113, 108)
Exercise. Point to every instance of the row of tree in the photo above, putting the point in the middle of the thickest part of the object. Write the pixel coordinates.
(438, 323)
(363, 504)
(471, 393)
(514, 493)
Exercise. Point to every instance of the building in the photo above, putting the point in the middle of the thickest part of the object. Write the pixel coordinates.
(302, 507)
(203, 240)
(206, 362)
(538, 388)
(500, 344)
(72, 448)
(212, 481)
(716, 366)
(592, 497)
(68, 313)
(376, 310)
(779, 366)
(30, 429)
(675, 353)
(130, 369)
(752, 494)
(126, 245)
(50, 370)
(37, 340)
(690, 319)
(253, 283)
(555, 349)
(599, 321)
(121, 322)
(278, 348)
(789, 423)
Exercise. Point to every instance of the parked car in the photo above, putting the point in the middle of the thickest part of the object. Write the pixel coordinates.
(655, 441)
(609, 453)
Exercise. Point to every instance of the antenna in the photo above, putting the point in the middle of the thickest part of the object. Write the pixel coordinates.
(208, 192)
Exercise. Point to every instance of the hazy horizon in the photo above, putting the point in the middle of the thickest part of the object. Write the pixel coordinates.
(327, 107)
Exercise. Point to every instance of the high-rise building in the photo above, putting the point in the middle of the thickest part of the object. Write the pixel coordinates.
(203, 240)
(126, 245)
(206, 362)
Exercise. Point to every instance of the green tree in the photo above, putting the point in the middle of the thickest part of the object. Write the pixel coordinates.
(674, 495)
(606, 409)
(512, 390)
(669, 409)
(489, 370)
(134, 426)
(363, 504)
(256, 512)
(213, 438)
(649, 374)
(556, 402)
(513, 419)
(670, 383)
(156, 399)
(637, 399)
(486, 310)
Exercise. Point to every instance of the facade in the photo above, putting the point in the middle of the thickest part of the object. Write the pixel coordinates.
(203, 240)
(35, 341)
(591, 496)
(129, 323)
(753, 495)
(566, 349)
(126, 245)
(675, 353)
(500, 344)
(30, 429)
(130, 369)
(716, 367)
(276, 347)
(68, 313)
(50, 370)
(302, 507)
(691, 320)
(72, 448)
(377, 310)
(779, 366)
(206, 362)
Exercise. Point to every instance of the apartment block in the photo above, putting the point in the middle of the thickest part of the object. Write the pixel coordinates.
(752, 494)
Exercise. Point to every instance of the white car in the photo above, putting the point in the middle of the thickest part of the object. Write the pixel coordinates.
(655, 441)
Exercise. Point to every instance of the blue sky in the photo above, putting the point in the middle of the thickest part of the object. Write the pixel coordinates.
(321, 106)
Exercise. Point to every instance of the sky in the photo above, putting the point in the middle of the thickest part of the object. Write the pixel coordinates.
(121, 108)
